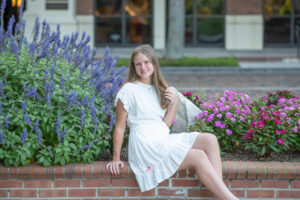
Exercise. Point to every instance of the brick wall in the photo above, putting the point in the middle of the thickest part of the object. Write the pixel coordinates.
(273, 180)
(84, 7)
(244, 7)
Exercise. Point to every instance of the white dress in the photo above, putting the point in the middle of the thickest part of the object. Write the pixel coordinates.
(153, 154)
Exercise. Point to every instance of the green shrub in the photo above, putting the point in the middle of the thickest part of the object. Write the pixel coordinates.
(55, 99)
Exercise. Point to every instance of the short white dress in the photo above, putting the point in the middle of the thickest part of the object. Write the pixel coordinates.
(153, 154)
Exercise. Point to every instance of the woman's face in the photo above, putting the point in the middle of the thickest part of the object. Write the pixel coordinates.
(143, 67)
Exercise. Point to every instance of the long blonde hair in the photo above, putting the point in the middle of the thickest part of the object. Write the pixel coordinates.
(157, 78)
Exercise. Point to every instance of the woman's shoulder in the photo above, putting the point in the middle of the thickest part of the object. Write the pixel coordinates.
(128, 86)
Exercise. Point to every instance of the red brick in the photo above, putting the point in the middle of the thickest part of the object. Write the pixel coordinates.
(241, 168)
(295, 185)
(13, 172)
(53, 193)
(11, 184)
(125, 171)
(238, 193)
(288, 194)
(23, 173)
(124, 183)
(297, 166)
(191, 173)
(261, 193)
(3, 172)
(59, 171)
(290, 170)
(50, 173)
(41, 172)
(252, 170)
(88, 171)
(78, 171)
(185, 183)
(3, 193)
(171, 192)
(106, 173)
(224, 169)
(111, 192)
(281, 170)
(23, 193)
(261, 170)
(137, 192)
(38, 184)
(84, 7)
(182, 173)
(244, 184)
(200, 193)
(244, 7)
(69, 170)
(82, 192)
(232, 170)
(32, 171)
(271, 170)
(165, 183)
(97, 183)
(97, 169)
(274, 184)
(66, 183)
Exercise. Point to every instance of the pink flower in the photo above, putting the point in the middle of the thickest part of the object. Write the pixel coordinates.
(189, 93)
(196, 97)
(282, 131)
(277, 132)
(219, 116)
(280, 141)
(218, 123)
(278, 122)
(295, 130)
(253, 123)
(232, 119)
(260, 124)
(222, 126)
(174, 122)
(228, 131)
(242, 119)
(238, 111)
(228, 115)
(108, 85)
(249, 134)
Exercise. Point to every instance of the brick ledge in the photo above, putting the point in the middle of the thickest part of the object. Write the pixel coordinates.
(231, 170)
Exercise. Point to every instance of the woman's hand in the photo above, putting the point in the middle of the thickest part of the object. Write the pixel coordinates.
(170, 94)
(113, 166)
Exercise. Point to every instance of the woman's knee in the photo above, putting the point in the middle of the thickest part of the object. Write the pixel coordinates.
(207, 139)
(192, 158)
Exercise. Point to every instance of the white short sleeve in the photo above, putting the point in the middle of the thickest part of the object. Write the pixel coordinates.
(124, 96)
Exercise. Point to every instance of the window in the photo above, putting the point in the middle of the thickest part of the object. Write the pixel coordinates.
(204, 22)
(126, 22)
(281, 22)
(56, 4)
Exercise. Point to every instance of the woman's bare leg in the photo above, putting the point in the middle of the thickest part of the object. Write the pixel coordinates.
(209, 144)
(198, 160)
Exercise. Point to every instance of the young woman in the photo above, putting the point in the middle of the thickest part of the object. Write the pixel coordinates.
(148, 106)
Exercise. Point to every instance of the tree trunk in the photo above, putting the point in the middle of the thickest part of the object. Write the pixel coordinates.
(176, 29)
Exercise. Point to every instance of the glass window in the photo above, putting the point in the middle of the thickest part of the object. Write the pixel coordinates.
(277, 30)
(277, 7)
(138, 30)
(108, 30)
(210, 30)
(188, 31)
(108, 7)
(209, 7)
(123, 21)
(189, 4)
(297, 30)
(297, 7)
(138, 7)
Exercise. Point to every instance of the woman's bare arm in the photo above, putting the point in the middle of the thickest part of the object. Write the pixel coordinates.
(170, 115)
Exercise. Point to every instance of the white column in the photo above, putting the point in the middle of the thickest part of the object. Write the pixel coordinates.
(159, 24)
(244, 32)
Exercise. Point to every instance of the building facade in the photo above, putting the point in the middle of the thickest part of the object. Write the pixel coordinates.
(230, 24)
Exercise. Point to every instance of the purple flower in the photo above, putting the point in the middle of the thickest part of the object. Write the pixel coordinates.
(232, 119)
(82, 117)
(32, 93)
(1, 107)
(2, 140)
(1, 89)
(87, 146)
(222, 126)
(27, 119)
(218, 123)
(242, 119)
(24, 136)
(58, 124)
(277, 132)
(38, 132)
(174, 122)
(6, 122)
(228, 115)
(219, 116)
(24, 104)
(295, 129)
(228, 131)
